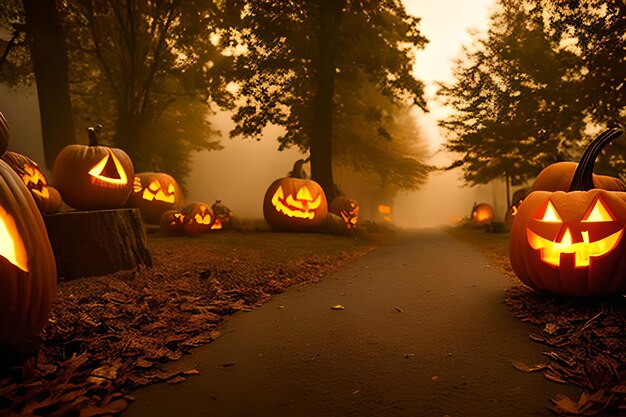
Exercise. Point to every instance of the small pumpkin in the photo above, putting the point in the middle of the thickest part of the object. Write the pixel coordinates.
(571, 243)
(93, 177)
(46, 197)
(4, 134)
(482, 214)
(153, 194)
(222, 216)
(294, 204)
(199, 218)
(172, 223)
(27, 268)
(346, 208)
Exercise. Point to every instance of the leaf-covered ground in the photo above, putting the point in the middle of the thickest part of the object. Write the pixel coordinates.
(584, 339)
(110, 334)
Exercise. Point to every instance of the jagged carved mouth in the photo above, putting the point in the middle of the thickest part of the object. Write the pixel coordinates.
(302, 206)
(583, 251)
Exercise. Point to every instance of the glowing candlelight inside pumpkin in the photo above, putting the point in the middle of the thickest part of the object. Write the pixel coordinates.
(11, 245)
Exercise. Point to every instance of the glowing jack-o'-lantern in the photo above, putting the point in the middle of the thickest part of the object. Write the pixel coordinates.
(199, 218)
(482, 213)
(222, 215)
(173, 222)
(347, 208)
(571, 243)
(385, 211)
(153, 194)
(27, 268)
(295, 204)
(93, 177)
(46, 197)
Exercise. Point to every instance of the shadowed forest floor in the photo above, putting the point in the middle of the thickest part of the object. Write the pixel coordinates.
(110, 334)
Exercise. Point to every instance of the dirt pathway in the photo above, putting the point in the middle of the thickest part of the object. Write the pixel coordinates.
(425, 332)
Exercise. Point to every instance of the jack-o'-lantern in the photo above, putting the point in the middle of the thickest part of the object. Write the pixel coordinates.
(222, 215)
(93, 177)
(173, 222)
(199, 218)
(27, 267)
(153, 194)
(294, 204)
(346, 208)
(571, 243)
(385, 212)
(4, 134)
(46, 197)
(482, 214)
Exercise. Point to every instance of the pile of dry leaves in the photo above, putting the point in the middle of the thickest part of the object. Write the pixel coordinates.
(587, 347)
(110, 334)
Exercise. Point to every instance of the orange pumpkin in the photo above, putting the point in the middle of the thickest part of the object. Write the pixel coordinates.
(199, 218)
(27, 268)
(153, 194)
(93, 177)
(294, 204)
(346, 208)
(571, 243)
(482, 214)
(172, 222)
(46, 197)
(222, 216)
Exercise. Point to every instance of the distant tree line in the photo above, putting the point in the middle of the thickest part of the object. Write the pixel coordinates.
(525, 93)
(335, 74)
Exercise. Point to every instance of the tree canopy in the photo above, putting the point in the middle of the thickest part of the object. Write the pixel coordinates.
(296, 57)
(524, 93)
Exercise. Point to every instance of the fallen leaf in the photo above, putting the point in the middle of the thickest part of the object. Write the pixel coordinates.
(562, 403)
(525, 368)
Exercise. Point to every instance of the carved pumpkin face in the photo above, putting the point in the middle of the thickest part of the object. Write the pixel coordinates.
(346, 208)
(93, 177)
(11, 245)
(153, 194)
(571, 243)
(173, 222)
(27, 267)
(222, 215)
(482, 213)
(47, 198)
(295, 204)
(385, 212)
(199, 218)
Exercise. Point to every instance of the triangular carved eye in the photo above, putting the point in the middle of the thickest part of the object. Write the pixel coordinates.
(599, 213)
(550, 215)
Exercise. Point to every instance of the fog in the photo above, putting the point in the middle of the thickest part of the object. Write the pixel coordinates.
(241, 172)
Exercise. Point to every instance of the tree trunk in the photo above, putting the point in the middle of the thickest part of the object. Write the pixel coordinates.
(322, 122)
(48, 50)
(129, 130)
(93, 243)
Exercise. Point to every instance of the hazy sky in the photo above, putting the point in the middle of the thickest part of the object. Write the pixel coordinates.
(446, 24)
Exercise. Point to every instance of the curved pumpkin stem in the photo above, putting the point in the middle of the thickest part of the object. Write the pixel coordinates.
(583, 177)
(93, 137)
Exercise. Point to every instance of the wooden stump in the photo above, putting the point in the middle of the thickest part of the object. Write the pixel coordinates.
(90, 243)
